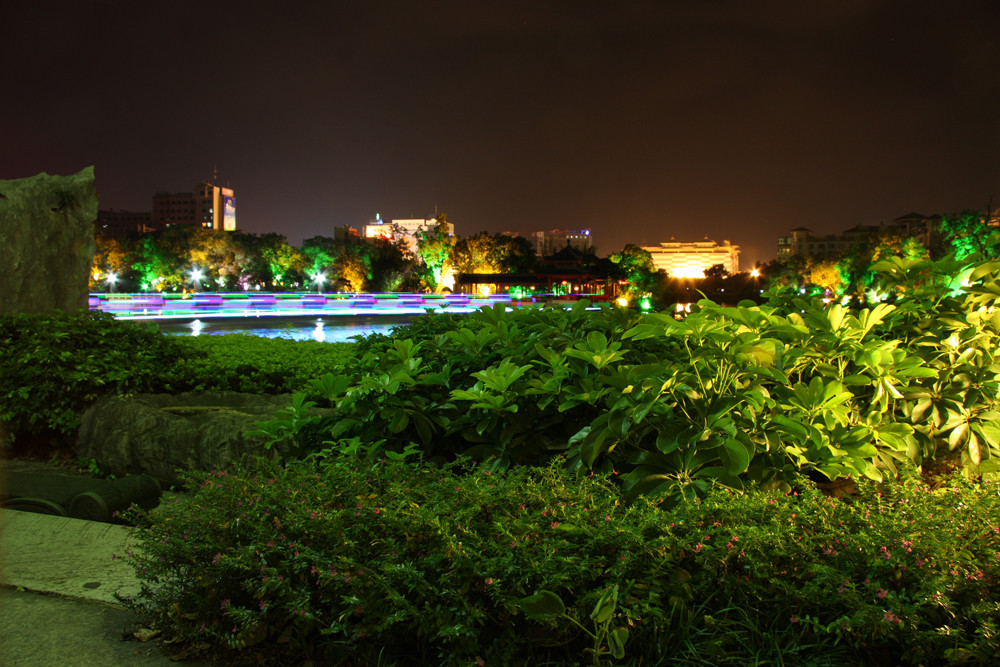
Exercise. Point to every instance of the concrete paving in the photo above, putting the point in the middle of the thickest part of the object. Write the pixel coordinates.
(71, 557)
(58, 582)
(38, 630)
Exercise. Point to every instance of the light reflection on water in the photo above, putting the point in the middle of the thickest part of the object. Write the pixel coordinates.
(330, 330)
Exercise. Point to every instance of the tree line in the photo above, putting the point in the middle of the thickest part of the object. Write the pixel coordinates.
(191, 258)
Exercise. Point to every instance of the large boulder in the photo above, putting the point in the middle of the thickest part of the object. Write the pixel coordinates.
(46, 242)
(159, 434)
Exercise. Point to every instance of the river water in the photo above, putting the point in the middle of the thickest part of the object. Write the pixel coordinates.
(325, 329)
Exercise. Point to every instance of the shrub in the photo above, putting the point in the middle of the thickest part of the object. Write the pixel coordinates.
(403, 563)
(352, 562)
(252, 364)
(55, 364)
(746, 396)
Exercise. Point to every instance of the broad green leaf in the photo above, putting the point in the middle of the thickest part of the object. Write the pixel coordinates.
(542, 604)
(616, 642)
(606, 605)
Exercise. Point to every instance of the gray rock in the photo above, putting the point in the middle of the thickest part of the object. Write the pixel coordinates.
(46, 242)
(159, 434)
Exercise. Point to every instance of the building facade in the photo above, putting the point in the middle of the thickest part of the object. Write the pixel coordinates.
(405, 228)
(690, 260)
(123, 223)
(801, 242)
(209, 206)
(551, 242)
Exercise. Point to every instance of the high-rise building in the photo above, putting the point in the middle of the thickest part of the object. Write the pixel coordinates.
(209, 206)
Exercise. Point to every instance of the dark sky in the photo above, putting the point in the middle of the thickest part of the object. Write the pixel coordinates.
(735, 120)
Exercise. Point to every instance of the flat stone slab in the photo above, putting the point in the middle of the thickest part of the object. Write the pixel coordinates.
(73, 557)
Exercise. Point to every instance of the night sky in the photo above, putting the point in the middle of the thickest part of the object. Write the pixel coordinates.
(640, 120)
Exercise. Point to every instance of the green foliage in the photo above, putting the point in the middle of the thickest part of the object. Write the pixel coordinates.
(417, 564)
(967, 234)
(350, 562)
(635, 266)
(54, 365)
(742, 395)
(492, 253)
(252, 364)
(498, 387)
(901, 573)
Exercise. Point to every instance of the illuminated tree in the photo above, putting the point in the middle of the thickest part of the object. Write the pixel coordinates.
(486, 253)
(475, 254)
(355, 268)
(391, 263)
(636, 267)
(434, 249)
(322, 255)
(283, 263)
(825, 274)
(968, 233)
(155, 268)
(110, 257)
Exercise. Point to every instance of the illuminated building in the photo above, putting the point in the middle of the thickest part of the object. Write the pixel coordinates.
(209, 206)
(551, 242)
(689, 260)
(406, 228)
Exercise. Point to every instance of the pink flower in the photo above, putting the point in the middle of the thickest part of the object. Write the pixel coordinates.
(882, 593)
(489, 581)
(794, 618)
(554, 524)
(698, 547)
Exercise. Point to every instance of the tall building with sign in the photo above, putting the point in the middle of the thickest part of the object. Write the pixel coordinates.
(209, 206)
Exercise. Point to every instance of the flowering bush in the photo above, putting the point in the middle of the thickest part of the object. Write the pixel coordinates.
(417, 564)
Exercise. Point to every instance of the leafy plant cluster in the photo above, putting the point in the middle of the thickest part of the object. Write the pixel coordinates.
(358, 562)
(744, 396)
(252, 364)
(54, 365)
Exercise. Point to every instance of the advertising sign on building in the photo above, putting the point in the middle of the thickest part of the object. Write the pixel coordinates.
(229, 211)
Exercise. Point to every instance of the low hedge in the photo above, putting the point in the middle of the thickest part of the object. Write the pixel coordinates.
(55, 364)
(253, 364)
(345, 562)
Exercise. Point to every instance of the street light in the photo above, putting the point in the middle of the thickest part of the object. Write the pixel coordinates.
(319, 278)
(112, 279)
(196, 275)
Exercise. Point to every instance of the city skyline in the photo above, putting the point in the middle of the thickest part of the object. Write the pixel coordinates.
(643, 121)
